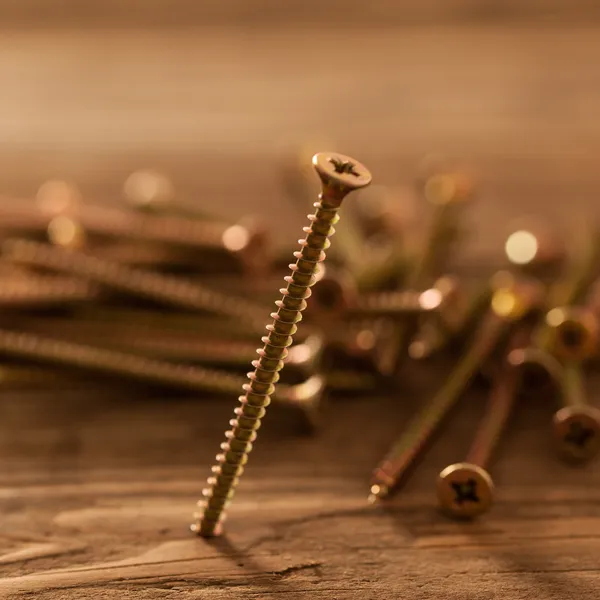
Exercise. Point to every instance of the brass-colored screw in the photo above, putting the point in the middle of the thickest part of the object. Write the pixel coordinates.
(339, 175)
(466, 489)
(508, 305)
(335, 297)
(461, 318)
(41, 291)
(164, 344)
(573, 335)
(305, 395)
(170, 290)
(53, 351)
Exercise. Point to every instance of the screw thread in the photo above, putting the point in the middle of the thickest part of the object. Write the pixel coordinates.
(170, 290)
(257, 394)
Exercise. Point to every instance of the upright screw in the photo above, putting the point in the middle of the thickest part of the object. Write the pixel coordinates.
(466, 489)
(507, 306)
(339, 175)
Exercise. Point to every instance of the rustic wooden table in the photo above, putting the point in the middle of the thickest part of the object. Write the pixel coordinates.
(97, 489)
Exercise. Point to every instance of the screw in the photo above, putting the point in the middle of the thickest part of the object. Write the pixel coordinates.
(572, 333)
(339, 175)
(459, 320)
(41, 292)
(335, 297)
(447, 192)
(466, 489)
(508, 304)
(162, 288)
(573, 338)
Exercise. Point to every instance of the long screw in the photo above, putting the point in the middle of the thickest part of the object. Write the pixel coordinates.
(170, 290)
(507, 306)
(303, 358)
(69, 354)
(466, 489)
(41, 291)
(339, 175)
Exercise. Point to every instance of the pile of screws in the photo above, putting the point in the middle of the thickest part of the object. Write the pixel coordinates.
(166, 297)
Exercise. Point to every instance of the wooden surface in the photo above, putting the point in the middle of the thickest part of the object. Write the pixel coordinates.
(97, 490)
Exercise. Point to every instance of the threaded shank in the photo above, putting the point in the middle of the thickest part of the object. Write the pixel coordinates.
(266, 368)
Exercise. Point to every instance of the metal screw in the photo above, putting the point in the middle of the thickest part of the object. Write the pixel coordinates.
(303, 358)
(461, 318)
(572, 333)
(339, 175)
(41, 292)
(30, 346)
(507, 306)
(573, 337)
(466, 489)
(163, 288)
(577, 423)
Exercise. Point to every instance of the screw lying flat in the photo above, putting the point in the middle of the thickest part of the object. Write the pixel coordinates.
(170, 290)
(41, 291)
(339, 175)
(507, 306)
(466, 489)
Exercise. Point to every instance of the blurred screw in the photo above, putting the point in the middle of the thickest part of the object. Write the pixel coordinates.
(571, 333)
(448, 193)
(305, 396)
(459, 319)
(466, 489)
(339, 176)
(41, 292)
(162, 288)
(573, 338)
(507, 306)
(577, 424)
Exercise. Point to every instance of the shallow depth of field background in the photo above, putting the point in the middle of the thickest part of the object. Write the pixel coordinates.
(214, 92)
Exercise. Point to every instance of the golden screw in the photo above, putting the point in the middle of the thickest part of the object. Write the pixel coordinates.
(339, 175)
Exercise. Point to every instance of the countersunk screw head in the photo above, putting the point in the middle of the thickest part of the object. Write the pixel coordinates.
(574, 333)
(465, 490)
(341, 171)
(577, 430)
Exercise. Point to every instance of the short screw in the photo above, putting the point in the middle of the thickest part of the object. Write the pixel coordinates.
(577, 423)
(339, 175)
(573, 338)
(305, 395)
(466, 489)
(508, 304)
(163, 344)
(170, 290)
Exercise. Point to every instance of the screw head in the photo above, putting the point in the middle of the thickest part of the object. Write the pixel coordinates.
(577, 432)
(465, 490)
(340, 170)
(574, 332)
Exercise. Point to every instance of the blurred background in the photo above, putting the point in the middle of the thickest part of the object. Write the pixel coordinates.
(214, 93)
